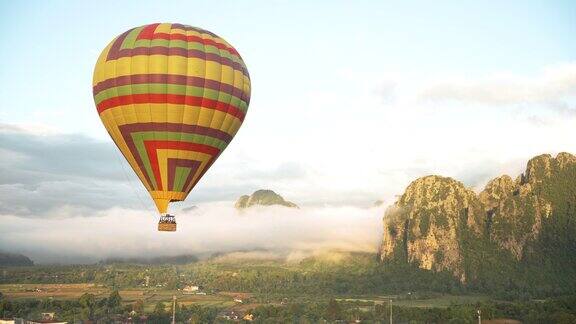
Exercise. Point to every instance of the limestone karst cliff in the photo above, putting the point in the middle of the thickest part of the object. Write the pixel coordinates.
(441, 225)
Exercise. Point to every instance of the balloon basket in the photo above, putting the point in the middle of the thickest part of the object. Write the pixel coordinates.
(167, 224)
(166, 227)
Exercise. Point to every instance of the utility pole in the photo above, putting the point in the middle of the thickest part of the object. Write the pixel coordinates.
(390, 311)
(479, 317)
(174, 309)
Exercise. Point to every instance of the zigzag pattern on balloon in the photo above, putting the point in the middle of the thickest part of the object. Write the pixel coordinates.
(179, 137)
(172, 98)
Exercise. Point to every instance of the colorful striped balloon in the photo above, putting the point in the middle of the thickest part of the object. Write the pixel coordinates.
(172, 97)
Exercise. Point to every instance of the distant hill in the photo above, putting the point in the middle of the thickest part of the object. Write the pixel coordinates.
(263, 198)
(179, 259)
(513, 232)
(14, 260)
(189, 209)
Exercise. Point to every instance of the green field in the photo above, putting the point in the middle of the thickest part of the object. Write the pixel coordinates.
(441, 301)
(223, 300)
(129, 295)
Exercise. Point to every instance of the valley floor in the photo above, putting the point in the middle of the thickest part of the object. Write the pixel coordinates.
(356, 288)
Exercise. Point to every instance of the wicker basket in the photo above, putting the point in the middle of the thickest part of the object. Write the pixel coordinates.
(167, 227)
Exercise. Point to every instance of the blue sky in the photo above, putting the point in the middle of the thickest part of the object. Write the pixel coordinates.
(285, 43)
(351, 101)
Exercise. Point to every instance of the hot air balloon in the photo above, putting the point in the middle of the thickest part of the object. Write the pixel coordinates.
(172, 97)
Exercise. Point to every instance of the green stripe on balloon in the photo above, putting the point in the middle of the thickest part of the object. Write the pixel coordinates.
(128, 42)
(179, 178)
(162, 88)
(187, 45)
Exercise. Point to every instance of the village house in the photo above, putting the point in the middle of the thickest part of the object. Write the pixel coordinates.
(229, 315)
(47, 318)
(192, 289)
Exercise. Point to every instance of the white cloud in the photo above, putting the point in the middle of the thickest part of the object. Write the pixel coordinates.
(320, 147)
(213, 227)
(43, 172)
(553, 85)
(35, 129)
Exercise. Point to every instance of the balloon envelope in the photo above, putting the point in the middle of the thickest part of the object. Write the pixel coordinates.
(172, 97)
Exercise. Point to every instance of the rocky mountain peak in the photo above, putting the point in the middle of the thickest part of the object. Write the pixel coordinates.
(433, 189)
(564, 158)
(496, 190)
(538, 168)
(263, 197)
(425, 225)
(543, 166)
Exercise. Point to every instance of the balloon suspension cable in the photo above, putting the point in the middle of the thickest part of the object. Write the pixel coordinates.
(130, 184)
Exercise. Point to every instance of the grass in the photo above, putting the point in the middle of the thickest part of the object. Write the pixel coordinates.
(57, 291)
(441, 301)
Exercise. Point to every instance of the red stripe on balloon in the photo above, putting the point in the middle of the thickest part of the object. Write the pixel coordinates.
(158, 98)
(146, 34)
(171, 79)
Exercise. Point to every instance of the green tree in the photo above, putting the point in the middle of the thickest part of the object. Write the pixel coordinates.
(138, 306)
(160, 309)
(159, 315)
(114, 300)
(87, 302)
(333, 311)
(381, 312)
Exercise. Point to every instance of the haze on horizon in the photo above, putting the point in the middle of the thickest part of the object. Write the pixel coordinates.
(348, 107)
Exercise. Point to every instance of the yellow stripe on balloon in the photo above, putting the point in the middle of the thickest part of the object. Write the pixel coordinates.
(157, 112)
(163, 198)
(98, 72)
(162, 64)
(164, 28)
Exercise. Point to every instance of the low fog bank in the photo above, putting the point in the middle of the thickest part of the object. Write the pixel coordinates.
(259, 232)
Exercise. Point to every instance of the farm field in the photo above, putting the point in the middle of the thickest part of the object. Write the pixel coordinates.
(56, 291)
(441, 301)
(224, 303)
(151, 296)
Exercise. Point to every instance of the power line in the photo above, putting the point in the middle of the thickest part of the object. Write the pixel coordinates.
(173, 309)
